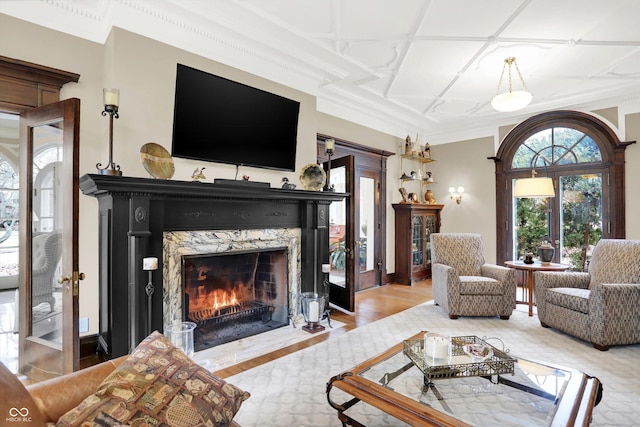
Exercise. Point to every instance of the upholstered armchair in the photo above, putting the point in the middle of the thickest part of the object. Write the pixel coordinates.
(463, 284)
(46, 252)
(601, 306)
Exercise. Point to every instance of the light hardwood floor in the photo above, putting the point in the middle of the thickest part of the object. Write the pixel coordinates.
(371, 305)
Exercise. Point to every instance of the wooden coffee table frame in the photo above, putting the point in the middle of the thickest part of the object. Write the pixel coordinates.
(574, 408)
(529, 269)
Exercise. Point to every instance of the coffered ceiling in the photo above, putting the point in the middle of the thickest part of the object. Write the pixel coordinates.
(398, 66)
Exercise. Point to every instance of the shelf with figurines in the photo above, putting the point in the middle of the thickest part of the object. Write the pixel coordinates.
(420, 154)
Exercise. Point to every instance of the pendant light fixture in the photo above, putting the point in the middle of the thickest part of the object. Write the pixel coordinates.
(511, 100)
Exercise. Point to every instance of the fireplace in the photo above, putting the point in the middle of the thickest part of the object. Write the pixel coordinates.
(167, 219)
(231, 283)
(234, 295)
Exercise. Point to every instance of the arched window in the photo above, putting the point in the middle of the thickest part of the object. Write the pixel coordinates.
(585, 160)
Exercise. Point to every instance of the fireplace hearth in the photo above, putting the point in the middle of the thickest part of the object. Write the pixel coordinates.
(233, 295)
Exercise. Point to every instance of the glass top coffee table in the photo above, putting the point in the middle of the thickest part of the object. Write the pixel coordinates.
(469, 393)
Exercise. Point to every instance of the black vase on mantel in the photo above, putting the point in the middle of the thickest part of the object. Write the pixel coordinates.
(545, 252)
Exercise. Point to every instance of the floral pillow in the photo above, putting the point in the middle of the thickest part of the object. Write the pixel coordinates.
(158, 385)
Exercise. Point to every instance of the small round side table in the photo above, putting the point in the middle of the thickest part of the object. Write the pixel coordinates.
(528, 278)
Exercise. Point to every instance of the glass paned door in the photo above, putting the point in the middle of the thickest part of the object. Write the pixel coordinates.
(417, 254)
(580, 218)
(367, 223)
(572, 220)
(48, 343)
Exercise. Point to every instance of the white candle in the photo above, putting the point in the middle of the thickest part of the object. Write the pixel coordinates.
(314, 311)
(436, 347)
(111, 96)
(329, 144)
(150, 263)
(326, 268)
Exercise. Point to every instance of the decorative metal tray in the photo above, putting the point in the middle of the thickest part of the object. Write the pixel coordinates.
(460, 364)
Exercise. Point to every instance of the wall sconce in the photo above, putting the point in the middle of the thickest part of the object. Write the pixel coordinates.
(111, 98)
(456, 195)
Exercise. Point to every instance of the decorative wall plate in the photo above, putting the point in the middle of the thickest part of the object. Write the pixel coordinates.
(313, 177)
(157, 161)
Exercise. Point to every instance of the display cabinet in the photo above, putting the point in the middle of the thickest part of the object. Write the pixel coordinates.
(415, 222)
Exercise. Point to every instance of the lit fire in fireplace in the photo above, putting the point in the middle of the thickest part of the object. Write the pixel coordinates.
(224, 299)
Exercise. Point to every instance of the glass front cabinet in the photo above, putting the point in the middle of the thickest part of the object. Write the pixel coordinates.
(414, 224)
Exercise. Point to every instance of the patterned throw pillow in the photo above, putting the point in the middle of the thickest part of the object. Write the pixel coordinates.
(158, 385)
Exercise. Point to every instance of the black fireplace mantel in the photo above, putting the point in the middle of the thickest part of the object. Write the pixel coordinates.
(134, 213)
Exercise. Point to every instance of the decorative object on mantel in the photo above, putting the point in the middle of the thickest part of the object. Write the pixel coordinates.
(329, 144)
(110, 107)
(313, 177)
(197, 175)
(246, 177)
(413, 198)
(287, 185)
(157, 161)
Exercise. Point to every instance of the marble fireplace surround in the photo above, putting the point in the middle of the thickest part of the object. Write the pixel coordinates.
(176, 244)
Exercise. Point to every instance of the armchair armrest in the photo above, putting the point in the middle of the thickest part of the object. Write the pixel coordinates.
(561, 279)
(555, 279)
(499, 272)
(613, 310)
(445, 284)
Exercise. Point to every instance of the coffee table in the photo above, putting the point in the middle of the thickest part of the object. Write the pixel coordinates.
(535, 394)
(528, 278)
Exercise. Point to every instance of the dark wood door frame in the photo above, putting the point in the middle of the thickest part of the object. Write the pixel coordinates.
(366, 159)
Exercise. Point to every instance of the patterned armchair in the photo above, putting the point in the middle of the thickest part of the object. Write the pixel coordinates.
(601, 306)
(46, 251)
(464, 284)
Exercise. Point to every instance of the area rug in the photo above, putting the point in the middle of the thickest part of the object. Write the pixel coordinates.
(232, 353)
(291, 390)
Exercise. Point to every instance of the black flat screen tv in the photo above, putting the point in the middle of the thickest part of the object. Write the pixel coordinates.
(219, 120)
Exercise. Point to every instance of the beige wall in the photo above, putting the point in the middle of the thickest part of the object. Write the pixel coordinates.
(144, 71)
(466, 164)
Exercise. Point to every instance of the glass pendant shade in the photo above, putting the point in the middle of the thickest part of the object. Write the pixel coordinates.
(511, 101)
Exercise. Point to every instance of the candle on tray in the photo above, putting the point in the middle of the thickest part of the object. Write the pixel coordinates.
(436, 346)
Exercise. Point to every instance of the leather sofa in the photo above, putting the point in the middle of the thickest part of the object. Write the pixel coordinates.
(47, 401)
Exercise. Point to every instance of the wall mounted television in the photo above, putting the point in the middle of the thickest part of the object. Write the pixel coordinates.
(219, 120)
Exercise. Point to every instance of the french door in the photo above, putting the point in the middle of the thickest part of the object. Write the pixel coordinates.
(341, 235)
(572, 220)
(49, 154)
